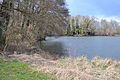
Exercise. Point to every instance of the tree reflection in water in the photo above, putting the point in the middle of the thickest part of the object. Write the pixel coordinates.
(54, 48)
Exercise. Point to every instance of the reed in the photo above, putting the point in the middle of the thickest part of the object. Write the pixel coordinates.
(75, 68)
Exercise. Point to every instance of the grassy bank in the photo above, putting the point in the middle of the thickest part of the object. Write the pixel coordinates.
(75, 68)
(15, 70)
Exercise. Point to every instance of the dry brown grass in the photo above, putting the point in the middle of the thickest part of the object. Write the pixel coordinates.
(75, 68)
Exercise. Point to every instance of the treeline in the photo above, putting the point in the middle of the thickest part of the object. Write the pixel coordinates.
(24, 22)
(90, 26)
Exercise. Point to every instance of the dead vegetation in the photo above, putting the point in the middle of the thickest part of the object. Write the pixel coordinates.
(75, 68)
(25, 22)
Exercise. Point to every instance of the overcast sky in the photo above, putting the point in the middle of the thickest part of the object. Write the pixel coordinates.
(109, 9)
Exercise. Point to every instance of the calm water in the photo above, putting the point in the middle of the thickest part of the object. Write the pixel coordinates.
(105, 47)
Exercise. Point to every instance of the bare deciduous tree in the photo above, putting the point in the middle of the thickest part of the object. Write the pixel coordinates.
(27, 21)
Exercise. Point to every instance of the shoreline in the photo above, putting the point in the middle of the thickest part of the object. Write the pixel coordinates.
(92, 35)
(84, 36)
(74, 68)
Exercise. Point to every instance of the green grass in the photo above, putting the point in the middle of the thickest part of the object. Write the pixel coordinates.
(15, 70)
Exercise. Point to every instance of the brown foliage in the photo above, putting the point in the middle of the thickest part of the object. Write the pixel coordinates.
(29, 20)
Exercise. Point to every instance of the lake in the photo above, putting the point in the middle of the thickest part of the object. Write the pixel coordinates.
(102, 46)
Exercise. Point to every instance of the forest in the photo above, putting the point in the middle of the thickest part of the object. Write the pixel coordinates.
(24, 22)
(92, 26)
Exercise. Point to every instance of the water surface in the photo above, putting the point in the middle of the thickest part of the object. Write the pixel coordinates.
(103, 46)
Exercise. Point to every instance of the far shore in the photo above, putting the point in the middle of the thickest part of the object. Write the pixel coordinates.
(91, 35)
